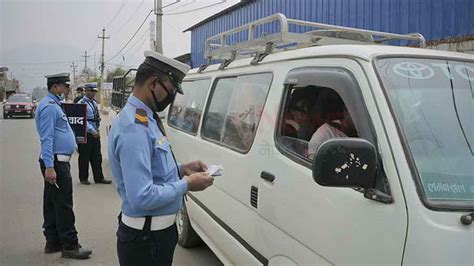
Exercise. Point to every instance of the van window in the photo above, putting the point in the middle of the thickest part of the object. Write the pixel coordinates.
(185, 113)
(312, 116)
(235, 110)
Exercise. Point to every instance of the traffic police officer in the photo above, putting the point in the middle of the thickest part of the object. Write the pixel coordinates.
(91, 150)
(57, 145)
(149, 181)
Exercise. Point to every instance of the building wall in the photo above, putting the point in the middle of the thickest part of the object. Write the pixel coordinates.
(435, 19)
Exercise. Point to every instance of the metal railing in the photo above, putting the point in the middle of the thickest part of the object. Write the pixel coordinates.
(217, 46)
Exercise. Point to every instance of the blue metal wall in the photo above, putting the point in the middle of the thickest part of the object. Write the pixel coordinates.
(435, 19)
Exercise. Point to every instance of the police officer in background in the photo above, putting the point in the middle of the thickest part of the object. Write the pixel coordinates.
(149, 181)
(90, 152)
(57, 146)
(80, 91)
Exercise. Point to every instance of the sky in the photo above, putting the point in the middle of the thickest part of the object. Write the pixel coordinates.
(41, 37)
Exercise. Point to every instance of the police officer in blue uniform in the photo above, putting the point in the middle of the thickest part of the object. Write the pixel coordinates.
(57, 146)
(150, 183)
(90, 152)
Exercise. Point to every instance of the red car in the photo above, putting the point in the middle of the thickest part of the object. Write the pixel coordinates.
(19, 105)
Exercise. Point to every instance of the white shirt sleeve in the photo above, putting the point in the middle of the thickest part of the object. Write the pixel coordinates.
(324, 132)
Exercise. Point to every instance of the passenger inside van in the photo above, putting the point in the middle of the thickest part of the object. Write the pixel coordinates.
(337, 121)
(297, 116)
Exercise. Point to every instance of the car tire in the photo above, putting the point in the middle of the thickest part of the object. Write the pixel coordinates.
(187, 237)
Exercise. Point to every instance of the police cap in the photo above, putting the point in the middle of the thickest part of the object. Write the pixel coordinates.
(91, 87)
(175, 70)
(61, 78)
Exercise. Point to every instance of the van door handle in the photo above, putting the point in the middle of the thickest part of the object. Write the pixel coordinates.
(267, 176)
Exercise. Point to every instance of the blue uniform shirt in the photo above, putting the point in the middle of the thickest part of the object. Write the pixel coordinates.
(56, 135)
(92, 110)
(145, 172)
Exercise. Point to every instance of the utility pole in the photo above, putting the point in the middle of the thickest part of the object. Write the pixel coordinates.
(102, 66)
(85, 61)
(95, 63)
(73, 65)
(85, 64)
(159, 26)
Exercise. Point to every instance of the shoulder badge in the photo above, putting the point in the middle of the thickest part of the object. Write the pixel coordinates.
(141, 117)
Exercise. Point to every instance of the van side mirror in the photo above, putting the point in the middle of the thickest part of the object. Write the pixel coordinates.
(345, 162)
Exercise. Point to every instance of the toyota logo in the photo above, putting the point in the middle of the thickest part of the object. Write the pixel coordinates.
(413, 70)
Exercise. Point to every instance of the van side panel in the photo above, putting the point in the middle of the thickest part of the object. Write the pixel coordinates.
(295, 219)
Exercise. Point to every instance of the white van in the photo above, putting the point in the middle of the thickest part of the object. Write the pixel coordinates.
(332, 154)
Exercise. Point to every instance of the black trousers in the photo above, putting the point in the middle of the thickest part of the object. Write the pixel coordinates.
(145, 247)
(90, 153)
(58, 214)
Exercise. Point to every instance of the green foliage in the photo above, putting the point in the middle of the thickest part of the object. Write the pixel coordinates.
(115, 72)
(94, 79)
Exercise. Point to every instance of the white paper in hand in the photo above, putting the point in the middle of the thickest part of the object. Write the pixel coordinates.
(215, 170)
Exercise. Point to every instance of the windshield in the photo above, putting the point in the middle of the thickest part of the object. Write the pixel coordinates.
(19, 99)
(433, 102)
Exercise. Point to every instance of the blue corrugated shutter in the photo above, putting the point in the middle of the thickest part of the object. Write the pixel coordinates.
(435, 19)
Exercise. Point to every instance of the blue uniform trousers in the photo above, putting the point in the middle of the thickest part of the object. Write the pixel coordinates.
(58, 212)
(145, 247)
(90, 153)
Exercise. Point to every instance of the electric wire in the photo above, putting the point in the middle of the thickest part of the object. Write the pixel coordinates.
(131, 38)
(195, 9)
(187, 4)
(130, 18)
(137, 41)
(117, 13)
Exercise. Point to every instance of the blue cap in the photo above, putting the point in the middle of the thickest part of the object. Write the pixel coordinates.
(91, 86)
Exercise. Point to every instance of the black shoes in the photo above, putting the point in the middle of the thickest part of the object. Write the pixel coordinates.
(103, 181)
(78, 253)
(52, 248)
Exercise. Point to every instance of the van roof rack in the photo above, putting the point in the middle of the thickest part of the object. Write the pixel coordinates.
(220, 46)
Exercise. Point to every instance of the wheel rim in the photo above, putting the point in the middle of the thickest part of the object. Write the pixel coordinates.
(180, 221)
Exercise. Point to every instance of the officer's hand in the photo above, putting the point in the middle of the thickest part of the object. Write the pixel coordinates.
(50, 175)
(199, 181)
(193, 167)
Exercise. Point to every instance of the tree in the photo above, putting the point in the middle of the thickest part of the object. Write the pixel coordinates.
(116, 72)
(94, 79)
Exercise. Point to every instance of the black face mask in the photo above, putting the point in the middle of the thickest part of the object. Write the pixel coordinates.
(166, 101)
